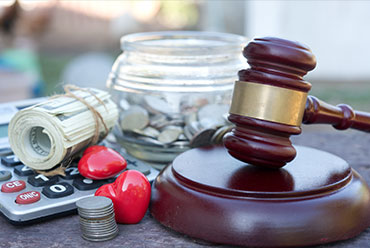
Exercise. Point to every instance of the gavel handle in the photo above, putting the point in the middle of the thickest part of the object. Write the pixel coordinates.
(341, 116)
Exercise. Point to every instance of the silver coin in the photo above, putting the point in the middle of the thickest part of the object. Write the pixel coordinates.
(194, 128)
(97, 216)
(97, 229)
(103, 219)
(176, 116)
(151, 141)
(151, 132)
(123, 104)
(100, 221)
(96, 211)
(100, 238)
(191, 117)
(220, 133)
(94, 203)
(135, 117)
(92, 228)
(100, 229)
(181, 143)
(202, 138)
(187, 132)
(158, 121)
(176, 122)
(147, 132)
(93, 221)
(182, 137)
(226, 118)
(169, 134)
(101, 232)
(155, 105)
(206, 123)
(214, 112)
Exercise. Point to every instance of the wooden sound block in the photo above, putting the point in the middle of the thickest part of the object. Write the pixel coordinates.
(315, 199)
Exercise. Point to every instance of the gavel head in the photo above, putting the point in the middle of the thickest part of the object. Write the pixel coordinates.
(269, 101)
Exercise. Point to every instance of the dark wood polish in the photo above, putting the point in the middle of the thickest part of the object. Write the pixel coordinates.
(260, 142)
(279, 63)
(282, 63)
(315, 199)
(341, 116)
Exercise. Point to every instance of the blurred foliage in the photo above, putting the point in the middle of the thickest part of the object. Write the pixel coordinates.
(178, 14)
(52, 66)
(355, 94)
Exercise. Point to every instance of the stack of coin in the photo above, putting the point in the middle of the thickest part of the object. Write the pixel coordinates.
(97, 218)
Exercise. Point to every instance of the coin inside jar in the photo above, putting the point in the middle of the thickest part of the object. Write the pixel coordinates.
(135, 117)
(153, 122)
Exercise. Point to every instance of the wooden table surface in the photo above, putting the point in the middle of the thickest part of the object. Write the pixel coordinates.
(353, 146)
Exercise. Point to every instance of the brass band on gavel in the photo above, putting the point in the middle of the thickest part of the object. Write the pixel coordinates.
(267, 102)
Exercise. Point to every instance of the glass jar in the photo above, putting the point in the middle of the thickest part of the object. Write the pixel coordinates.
(173, 90)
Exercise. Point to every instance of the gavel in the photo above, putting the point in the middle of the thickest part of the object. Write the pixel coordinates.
(270, 102)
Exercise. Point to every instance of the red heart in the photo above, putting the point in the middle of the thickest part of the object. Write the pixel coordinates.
(130, 194)
(100, 162)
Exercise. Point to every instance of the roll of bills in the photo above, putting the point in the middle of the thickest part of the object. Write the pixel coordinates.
(48, 133)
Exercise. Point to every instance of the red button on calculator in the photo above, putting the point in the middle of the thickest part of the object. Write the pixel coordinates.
(13, 186)
(28, 197)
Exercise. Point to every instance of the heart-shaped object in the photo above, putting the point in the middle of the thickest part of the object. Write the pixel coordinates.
(130, 194)
(100, 162)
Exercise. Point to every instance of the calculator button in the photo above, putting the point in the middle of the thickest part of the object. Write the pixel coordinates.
(5, 151)
(13, 186)
(23, 170)
(58, 190)
(5, 175)
(10, 160)
(82, 183)
(71, 173)
(138, 165)
(110, 180)
(28, 197)
(40, 180)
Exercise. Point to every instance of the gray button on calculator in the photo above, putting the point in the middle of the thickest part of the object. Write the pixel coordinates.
(10, 160)
(5, 151)
(82, 183)
(137, 165)
(58, 190)
(71, 173)
(40, 180)
(5, 175)
(23, 170)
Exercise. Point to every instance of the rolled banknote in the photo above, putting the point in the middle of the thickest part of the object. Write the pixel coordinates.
(49, 133)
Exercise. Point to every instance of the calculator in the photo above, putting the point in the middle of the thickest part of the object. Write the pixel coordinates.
(26, 197)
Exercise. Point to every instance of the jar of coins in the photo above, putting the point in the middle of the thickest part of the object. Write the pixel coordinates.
(173, 90)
